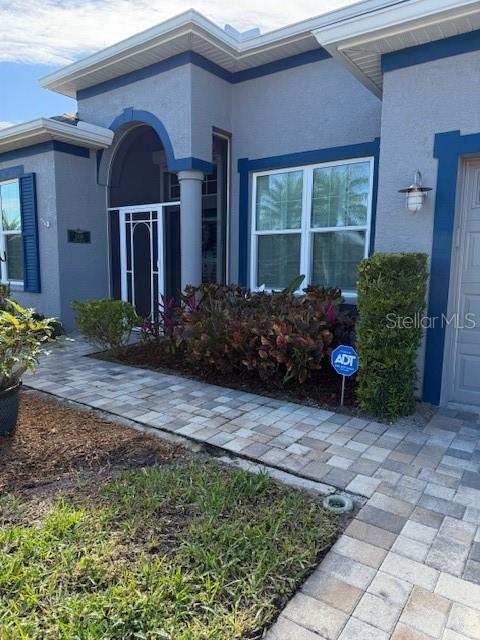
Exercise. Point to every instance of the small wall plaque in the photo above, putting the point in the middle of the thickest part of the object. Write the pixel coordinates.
(78, 236)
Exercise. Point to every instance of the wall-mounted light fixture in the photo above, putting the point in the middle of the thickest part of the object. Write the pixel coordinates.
(415, 194)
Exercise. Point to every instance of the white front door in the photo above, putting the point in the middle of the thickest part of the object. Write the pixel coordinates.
(141, 258)
(465, 372)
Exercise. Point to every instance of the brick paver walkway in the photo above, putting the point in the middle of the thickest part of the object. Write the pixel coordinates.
(407, 567)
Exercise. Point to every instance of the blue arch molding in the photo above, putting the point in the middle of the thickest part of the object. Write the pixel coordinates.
(418, 54)
(449, 147)
(145, 117)
(191, 57)
(246, 166)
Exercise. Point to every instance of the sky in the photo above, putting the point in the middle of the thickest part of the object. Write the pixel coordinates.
(39, 36)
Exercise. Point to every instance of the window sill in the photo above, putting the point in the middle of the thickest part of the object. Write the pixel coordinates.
(18, 287)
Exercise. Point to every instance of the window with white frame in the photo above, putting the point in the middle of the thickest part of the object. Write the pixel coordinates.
(312, 220)
(11, 250)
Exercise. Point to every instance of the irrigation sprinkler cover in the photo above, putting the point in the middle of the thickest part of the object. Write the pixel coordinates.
(338, 504)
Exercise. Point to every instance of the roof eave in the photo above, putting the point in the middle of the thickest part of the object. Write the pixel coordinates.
(63, 80)
(386, 21)
(187, 22)
(24, 134)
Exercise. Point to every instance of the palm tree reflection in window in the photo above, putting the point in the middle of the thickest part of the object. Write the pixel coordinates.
(279, 207)
(279, 201)
(340, 199)
(11, 227)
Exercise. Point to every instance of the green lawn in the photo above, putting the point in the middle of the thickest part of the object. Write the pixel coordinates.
(186, 551)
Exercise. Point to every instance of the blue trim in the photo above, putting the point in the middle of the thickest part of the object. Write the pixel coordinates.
(448, 149)
(187, 57)
(373, 218)
(43, 147)
(191, 57)
(243, 221)
(98, 160)
(31, 254)
(246, 166)
(145, 117)
(12, 172)
(71, 149)
(453, 46)
(315, 55)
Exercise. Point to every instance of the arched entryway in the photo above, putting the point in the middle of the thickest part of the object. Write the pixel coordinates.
(147, 202)
(144, 222)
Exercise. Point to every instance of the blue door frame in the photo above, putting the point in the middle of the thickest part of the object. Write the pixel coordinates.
(449, 148)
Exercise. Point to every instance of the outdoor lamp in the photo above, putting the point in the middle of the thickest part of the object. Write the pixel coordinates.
(415, 194)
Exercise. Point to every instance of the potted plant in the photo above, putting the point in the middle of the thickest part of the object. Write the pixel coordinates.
(22, 341)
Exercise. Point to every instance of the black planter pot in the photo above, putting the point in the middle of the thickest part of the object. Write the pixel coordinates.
(9, 403)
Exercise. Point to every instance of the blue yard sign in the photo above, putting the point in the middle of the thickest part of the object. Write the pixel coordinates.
(345, 362)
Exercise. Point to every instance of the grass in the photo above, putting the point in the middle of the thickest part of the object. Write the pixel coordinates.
(187, 551)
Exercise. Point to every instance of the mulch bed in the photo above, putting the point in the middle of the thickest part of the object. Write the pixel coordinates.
(52, 441)
(324, 392)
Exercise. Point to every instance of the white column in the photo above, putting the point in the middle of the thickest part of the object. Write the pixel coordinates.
(191, 226)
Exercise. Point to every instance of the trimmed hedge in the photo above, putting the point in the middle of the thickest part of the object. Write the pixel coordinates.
(391, 300)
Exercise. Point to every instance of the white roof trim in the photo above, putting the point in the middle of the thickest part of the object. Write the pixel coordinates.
(388, 17)
(44, 129)
(359, 31)
(356, 24)
(192, 22)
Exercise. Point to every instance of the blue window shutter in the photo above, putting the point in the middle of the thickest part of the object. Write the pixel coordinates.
(31, 261)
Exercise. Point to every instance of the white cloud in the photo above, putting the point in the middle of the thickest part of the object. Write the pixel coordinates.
(4, 124)
(56, 32)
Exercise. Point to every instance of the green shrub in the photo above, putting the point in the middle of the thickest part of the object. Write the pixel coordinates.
(22, 341)
(280, 338)
(391, 299)
(105, 322)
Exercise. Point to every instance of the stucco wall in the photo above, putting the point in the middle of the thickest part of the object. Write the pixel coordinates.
(315, 106)
(418, 102)
(211, 107)
(67, 198)
(81, 204)
(42, 164)
(167, 95)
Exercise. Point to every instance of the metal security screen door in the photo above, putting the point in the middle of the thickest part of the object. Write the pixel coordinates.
(142, 256)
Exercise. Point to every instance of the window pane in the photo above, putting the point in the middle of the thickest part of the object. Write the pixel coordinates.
(10, 202)
(14, 250)
(279, 201)
(278, 260)
(340, 195)
(335, 258)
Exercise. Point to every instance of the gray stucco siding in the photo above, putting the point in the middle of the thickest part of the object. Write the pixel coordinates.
(315, 106)
(81, 204)
(211, 108)
(42, 165)
(419, 102)
(168, 96)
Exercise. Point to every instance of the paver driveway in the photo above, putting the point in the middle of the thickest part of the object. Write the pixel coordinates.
(408, 566)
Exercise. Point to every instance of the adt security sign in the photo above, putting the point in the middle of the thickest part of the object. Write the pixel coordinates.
(345, 360)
